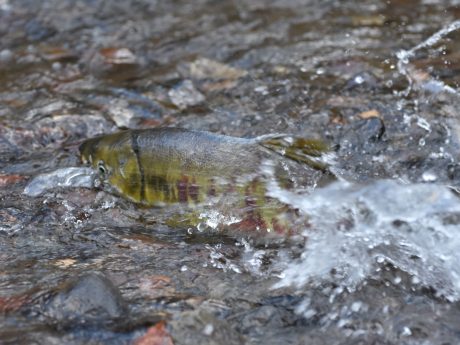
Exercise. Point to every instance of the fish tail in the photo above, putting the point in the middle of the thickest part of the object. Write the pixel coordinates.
(301, 150)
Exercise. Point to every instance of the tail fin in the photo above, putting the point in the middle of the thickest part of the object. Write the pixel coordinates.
(306, 151)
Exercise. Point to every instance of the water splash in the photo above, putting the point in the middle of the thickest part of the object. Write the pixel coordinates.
(65, 177)
(219, 260)
(435, 38)
(423, 79)
(213, 219)
(355, 229)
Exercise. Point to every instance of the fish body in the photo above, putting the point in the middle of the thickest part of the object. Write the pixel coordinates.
(161, 166)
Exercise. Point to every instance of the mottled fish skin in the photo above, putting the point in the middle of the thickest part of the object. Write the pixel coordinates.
(160, 166)
(169, 165)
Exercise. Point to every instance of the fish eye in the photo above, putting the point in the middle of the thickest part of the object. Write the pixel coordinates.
(101, 167)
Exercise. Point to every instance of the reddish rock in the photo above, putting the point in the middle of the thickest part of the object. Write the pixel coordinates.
(156, 335)
(6, 180)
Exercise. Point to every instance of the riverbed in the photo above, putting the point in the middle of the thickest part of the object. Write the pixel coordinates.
(376, 262)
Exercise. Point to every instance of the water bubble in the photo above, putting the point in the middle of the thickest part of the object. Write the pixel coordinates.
(5, 5)
(415, 280)
(422, 123)
(201, 226)
(218, 259)
(429, 176)
(356, 306)
(6, 55)
(421, 142)
(263, 90)
(359, 80)
(320, 71)
(389, 83)
(406, 332)
(56, 66)
(208, 329)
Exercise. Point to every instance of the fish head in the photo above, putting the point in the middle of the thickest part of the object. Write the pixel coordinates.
(113, 157)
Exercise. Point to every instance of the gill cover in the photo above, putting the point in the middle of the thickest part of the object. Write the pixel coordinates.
(116, 158)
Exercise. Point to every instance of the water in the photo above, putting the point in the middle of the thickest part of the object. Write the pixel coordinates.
(355, 229)
(375, 259)
(422, 79)
(65, 177)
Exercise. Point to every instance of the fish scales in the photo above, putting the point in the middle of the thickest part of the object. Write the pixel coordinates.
(160, 166)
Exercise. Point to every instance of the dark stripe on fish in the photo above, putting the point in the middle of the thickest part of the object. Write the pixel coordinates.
(182, 189)
(135, 147)
(194, 191)
(161, 185)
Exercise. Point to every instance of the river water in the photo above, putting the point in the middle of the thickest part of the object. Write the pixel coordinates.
(376, 261)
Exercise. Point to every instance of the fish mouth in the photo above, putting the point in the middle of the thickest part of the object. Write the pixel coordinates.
(87, 150)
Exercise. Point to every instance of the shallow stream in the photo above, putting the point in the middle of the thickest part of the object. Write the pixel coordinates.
(377, 259)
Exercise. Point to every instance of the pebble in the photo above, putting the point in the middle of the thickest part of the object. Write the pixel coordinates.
(185, 95)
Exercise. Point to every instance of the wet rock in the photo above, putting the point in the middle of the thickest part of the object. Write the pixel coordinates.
(38, 31)
(90, 298)
(6, 56)
(6, 180)
(316, 67)
(204, 68)
(360, 132)
(126, 108)
(453, 172)
(12, 220)
(13, 303)
(200, 327)
(64, 128)
(50, 131)
(362, 80)
(156, 335)
(214, 75)
(114, 63)
(369, 114)
(266, 317)
(127, 114)
(54, 54)
(185, 95)
(368, 20)
(156, 286)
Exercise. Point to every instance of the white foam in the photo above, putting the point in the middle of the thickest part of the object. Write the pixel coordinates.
(357, 228)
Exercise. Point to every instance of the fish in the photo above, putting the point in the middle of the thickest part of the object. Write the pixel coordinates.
(163, 166)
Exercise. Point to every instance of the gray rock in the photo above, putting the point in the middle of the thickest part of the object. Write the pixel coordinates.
(90, 298)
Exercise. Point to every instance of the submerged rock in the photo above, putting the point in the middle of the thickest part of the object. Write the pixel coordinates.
(203, 68)
(200, 327)
(90, 298)
(185, 95)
